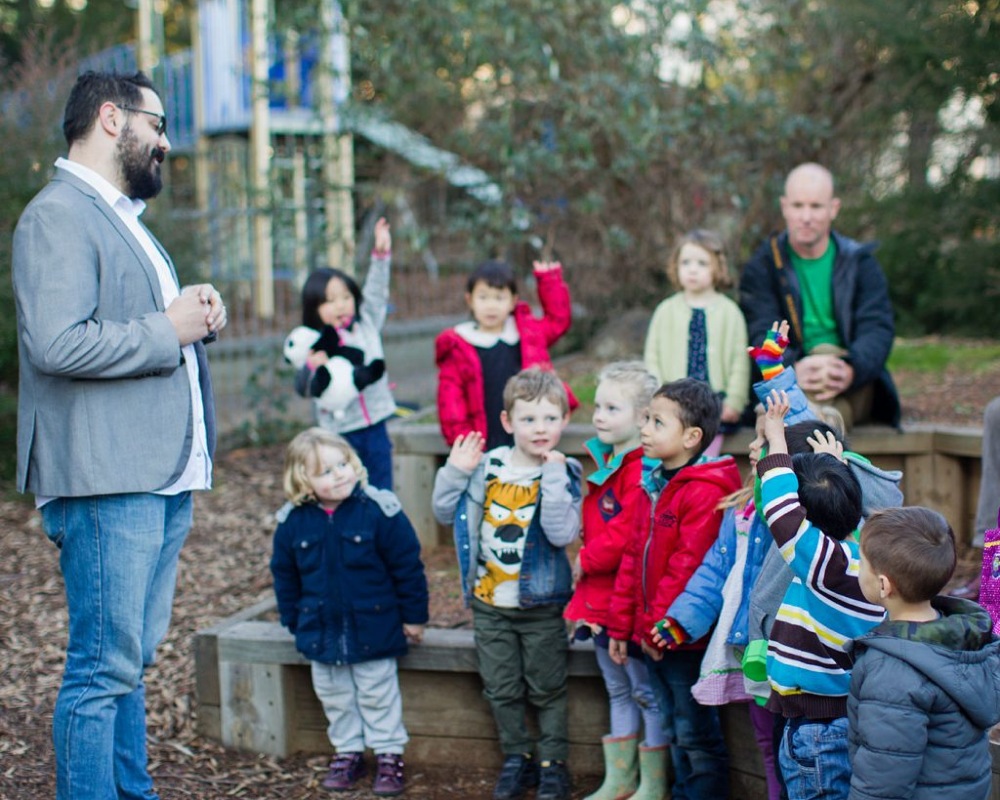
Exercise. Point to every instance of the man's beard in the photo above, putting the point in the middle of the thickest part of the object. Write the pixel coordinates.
(142, 180)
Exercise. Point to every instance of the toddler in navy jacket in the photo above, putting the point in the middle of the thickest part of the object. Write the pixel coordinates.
(351, 588)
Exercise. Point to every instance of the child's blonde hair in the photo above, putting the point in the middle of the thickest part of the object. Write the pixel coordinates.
(533, 384)
(707, 240)
(637, 381)
(302, 458)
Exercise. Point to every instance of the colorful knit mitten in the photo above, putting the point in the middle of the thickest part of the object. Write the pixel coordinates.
(768, 355)
(672, 633)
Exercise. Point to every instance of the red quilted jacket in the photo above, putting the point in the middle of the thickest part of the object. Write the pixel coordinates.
(668, 544)
(460, 378)
(608, 525)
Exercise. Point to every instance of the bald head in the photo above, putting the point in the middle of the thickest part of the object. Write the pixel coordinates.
(809, 209)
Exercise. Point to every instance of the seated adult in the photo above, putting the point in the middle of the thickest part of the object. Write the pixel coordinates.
(835, 297)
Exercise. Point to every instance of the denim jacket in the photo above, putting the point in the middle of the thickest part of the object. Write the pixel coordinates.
(546, 578)
(698, 607)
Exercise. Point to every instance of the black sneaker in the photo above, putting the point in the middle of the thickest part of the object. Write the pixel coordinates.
(518, 774)
(554, 783)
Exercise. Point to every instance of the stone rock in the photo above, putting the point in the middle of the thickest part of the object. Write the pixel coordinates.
(622, 337)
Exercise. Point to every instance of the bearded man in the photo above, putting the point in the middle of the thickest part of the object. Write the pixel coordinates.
(116, 424)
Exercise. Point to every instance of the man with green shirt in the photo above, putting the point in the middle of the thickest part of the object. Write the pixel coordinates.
(835, 297)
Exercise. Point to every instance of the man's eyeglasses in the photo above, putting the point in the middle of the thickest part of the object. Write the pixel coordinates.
(161, 119)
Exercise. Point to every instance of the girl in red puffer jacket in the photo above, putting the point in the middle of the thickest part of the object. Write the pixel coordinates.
(623, 393)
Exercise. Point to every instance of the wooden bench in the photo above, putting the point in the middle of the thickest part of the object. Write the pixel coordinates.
(254, 692)
(941, 467)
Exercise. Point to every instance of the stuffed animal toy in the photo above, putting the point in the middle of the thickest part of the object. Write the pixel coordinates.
(337, 383)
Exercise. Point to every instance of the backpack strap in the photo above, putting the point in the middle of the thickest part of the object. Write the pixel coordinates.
(791, 313)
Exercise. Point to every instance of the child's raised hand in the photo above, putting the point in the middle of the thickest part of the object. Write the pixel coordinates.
(826, 443)
(769, 355)
(383, 239)
(553, 457)
(545, 266)
(414, 633)
(774, 421)
(467, 451)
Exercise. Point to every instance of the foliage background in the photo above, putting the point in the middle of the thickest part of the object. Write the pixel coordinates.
(612, 127)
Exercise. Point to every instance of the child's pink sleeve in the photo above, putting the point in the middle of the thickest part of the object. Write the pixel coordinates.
(553, 294)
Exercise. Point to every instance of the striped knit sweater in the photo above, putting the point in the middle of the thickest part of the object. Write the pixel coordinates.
(824, 609)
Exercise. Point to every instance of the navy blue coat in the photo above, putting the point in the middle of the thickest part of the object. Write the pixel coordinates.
(347, 582)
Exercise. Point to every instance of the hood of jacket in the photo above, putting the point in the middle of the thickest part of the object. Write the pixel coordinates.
(712, 470)
(957, 652)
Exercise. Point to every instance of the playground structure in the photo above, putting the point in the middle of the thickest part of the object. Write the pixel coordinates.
(263, 140)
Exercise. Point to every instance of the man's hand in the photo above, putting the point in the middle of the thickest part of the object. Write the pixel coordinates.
(837, 380)
(189, 316)
(545, 266)
(774, 422)
(824, 376)
(467, 451)
(414, 633)
(810, 373)
(197, 312)
(577, 570)
(618, 650)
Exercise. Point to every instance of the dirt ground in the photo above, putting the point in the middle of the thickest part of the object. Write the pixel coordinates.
(223, 569)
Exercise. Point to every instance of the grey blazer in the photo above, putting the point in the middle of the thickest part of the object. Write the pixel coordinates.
(104, 406)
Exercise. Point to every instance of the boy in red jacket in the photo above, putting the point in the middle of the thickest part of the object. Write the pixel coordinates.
(680, 520)
(476, 358)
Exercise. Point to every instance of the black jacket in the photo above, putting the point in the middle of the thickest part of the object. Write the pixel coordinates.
(861, 307)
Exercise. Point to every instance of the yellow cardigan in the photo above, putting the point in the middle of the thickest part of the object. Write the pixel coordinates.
(666, 352)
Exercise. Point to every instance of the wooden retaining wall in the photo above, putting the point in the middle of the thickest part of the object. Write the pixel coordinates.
(254, 693)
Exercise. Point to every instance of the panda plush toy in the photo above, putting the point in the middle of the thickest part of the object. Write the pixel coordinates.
(336, 384)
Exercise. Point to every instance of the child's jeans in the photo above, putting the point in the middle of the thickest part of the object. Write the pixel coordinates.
(698, 752)
(632, 699)
(374, 448)
(814, 759)
(523, 654)
(362, 704)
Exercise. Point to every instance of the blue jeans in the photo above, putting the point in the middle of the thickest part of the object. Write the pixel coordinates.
(374, 448)
(698, 752)
(119, 563)
(814, 759)
(632, 699)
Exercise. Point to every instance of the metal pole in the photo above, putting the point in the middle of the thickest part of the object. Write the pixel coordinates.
(260, 161)
(333, 83)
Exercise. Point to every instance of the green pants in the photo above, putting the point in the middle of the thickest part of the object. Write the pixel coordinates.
(523, 659)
